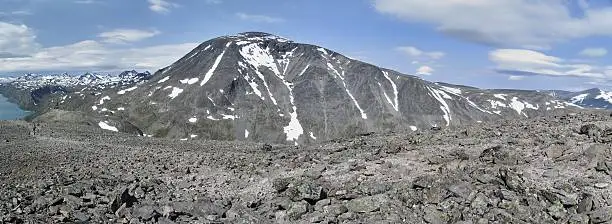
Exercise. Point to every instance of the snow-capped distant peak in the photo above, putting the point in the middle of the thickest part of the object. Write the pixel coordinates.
(6, 79)
(455, 91)
(33, 81)
(607, 96)
(579, 99)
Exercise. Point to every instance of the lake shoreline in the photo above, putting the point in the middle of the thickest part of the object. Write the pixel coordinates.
(10, 110)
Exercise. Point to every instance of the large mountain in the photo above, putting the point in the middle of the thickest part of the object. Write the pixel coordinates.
(261, 87)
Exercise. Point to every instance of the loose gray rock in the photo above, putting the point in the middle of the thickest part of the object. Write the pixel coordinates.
(280, 184)
(297, 209)
(601, 215)
(233, 181)
(590, 129)
(309, 191)
(145, 212)
(367, 204)
(122, 197)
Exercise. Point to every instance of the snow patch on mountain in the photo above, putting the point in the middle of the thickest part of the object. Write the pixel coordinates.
(189, 81)
(211, 71)
(104, 125)
(322, 50)
(251, 81)
(500, 96)
(121, 92)
(606, 96)
(451, 90)
(474, 105)
(579, 99)
(294, 129)
(304, 71)
(517, 105)
(258, 57)
(212, 101)
(495, 104)
(164, 79)
(439, 96)
(103, 99)
(229, 117)
(175, 92)
(395, 92)
(198, 52)
(531, 106)
(331, 67)
(312, 136)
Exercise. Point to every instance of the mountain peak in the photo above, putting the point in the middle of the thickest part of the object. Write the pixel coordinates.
(258, 36)
(255, 34)
(594, 91)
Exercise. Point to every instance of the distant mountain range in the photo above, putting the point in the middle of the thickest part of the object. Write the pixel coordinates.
(32, 81)
(591, 98)
(33, 92)
(261, 87)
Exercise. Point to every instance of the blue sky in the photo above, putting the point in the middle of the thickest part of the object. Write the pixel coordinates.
(526, 44)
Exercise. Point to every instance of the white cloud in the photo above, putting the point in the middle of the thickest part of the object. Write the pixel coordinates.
(520, 62)
(425, 58)
(412, 51)
(153, 57)
(93, 55)
(119, 36)
(415, 52)
(521, 57)
(161, 6)
(516, 77)
(259, 18)
(17, 13)
(20, 52)
(424, 70)
(16, 40)
(516, 23)
(594, 52)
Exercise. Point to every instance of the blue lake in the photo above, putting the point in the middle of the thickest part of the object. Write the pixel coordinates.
(10, 111)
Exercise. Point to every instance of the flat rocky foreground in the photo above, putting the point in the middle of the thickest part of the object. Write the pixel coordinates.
(544, 170)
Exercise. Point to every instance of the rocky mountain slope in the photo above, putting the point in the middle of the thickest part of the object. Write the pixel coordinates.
(261, 87)
(553, 169)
